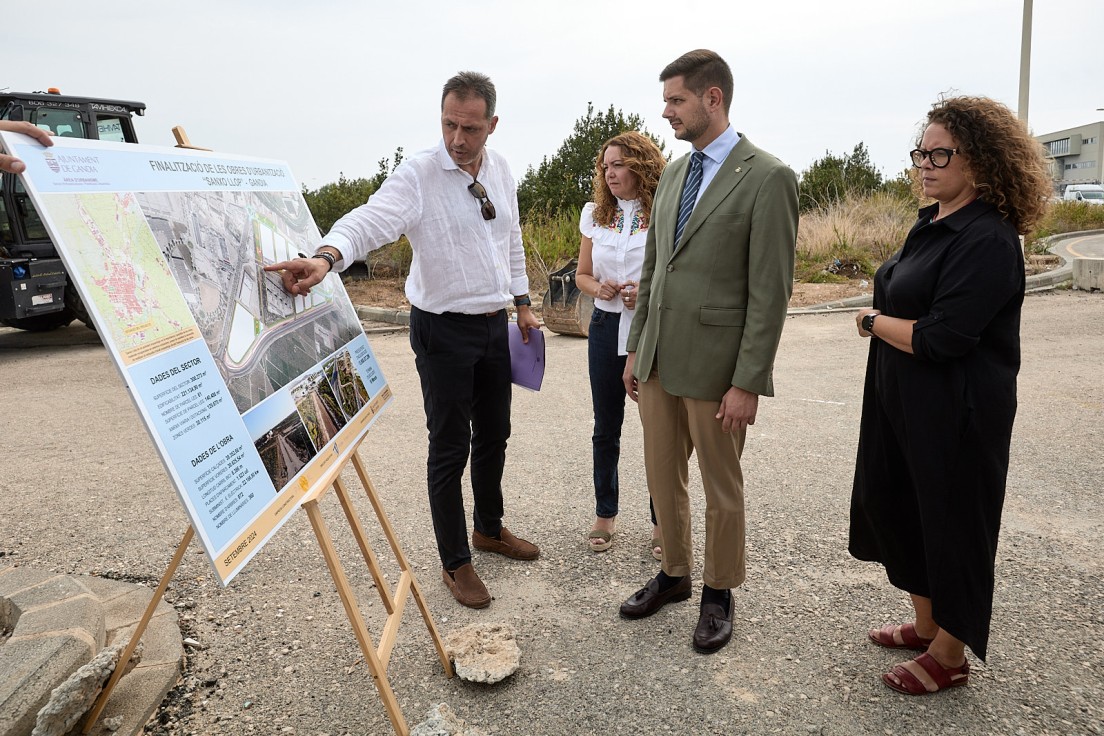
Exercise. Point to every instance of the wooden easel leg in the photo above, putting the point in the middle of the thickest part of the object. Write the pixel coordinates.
(415, 589)
(120, 666)
(362, 542)
(352, 610)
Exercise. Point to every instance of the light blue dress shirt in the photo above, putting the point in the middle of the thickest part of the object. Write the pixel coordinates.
(715, 154)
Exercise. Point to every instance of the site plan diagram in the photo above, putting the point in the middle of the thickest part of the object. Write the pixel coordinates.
(252, 396)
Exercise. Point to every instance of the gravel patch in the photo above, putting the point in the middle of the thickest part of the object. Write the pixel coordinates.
(84, 492)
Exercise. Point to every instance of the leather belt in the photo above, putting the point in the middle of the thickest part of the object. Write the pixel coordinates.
(482, 314)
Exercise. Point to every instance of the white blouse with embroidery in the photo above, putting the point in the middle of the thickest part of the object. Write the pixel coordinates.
(618, 254)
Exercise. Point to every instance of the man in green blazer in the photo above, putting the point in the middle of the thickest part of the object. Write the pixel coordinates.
(717, 277)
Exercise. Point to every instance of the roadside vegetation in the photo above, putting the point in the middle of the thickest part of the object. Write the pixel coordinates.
(852, 218)
(1064, 217)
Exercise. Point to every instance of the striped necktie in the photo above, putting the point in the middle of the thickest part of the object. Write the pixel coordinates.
(689, 193)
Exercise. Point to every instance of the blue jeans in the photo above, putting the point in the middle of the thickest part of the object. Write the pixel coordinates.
(607, 393)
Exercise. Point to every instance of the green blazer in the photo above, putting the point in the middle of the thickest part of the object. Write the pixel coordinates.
(709, 315)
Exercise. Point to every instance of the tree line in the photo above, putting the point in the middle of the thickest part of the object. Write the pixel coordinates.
(562, 182)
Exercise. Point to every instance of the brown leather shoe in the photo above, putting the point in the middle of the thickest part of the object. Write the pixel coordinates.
(714, 626)
(650, 598)
(466, 587)
(507, 545)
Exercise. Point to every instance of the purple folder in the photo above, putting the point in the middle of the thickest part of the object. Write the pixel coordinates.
(526, 359)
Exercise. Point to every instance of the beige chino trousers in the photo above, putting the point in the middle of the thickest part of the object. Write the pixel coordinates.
(675, 427)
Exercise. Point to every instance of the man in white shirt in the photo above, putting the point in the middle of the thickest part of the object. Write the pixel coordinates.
(457, 205)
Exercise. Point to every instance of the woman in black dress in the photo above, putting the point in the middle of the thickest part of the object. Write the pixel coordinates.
(940, 395)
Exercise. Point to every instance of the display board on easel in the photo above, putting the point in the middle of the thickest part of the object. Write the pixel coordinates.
(251, 395)
(255, 399)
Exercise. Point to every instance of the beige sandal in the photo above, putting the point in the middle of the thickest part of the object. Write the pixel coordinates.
(600, 540)
(657, 544)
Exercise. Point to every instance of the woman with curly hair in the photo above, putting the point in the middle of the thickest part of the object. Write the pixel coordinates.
(940, 394)
(614, 228)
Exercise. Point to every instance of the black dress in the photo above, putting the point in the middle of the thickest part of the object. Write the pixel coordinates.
(936, 425)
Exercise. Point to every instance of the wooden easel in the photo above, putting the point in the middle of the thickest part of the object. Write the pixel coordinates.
(394, 602)
(182, 140)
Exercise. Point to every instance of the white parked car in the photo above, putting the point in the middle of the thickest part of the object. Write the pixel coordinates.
(1091, 193)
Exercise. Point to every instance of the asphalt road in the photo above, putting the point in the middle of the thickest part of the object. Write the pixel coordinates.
(82, 491)
(1086, 246)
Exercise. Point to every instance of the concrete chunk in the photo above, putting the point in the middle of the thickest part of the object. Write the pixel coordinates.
(33, 668)
(441, 721)
(73, 698)
(484, 652)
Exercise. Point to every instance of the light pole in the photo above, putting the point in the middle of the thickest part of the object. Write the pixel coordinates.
(1025, 60)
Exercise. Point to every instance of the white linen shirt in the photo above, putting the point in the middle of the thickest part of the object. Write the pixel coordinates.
(618, 254)
(462, 263)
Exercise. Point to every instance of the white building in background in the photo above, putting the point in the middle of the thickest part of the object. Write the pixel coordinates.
(1076, 155)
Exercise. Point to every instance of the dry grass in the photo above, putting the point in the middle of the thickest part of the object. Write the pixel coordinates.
(866, 230)
(1065, 217)
(850, 238)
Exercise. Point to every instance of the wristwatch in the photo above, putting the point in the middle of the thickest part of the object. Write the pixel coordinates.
(868, 323)
(327, 257)
(523, 301)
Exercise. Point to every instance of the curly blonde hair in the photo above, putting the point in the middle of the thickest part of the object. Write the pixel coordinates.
(644, 159)
(1002, 159)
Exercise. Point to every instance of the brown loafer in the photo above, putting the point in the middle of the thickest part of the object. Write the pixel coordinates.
(506, 545)
(714, 626)
(650, 598)
(466, 587)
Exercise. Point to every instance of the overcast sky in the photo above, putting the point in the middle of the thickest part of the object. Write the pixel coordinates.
(334, 85)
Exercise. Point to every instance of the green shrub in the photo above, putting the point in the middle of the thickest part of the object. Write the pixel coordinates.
(833, 178)
(551, 240)
(563, 181)
(1064, 217)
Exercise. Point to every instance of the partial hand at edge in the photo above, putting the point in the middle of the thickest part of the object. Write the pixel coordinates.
(631, 385)
(526, 321)
(738, 409)
(301, 274)
(11, 164)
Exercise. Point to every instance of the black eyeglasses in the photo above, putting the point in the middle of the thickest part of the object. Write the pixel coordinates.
(939, 157)
(487, 208)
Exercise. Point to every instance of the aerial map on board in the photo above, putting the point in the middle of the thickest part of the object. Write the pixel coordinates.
(216, 243)
(252, 396)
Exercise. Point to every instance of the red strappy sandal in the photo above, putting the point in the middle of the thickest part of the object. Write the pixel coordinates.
(931, 677)
(899, 637)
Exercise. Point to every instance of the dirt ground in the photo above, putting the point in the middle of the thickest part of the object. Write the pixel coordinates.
(87, 495)
(387, 292)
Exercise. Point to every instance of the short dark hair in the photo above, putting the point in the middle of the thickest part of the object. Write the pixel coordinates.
(700, 70)
(472, 84)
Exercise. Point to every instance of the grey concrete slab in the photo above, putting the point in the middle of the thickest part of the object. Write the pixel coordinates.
(14, 579)
(48, 592)
(80, 616)
(136, 698)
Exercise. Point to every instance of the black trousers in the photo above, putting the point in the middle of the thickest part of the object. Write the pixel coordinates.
(463, 361)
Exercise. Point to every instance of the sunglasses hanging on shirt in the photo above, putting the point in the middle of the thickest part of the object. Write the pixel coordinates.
(486, 208)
